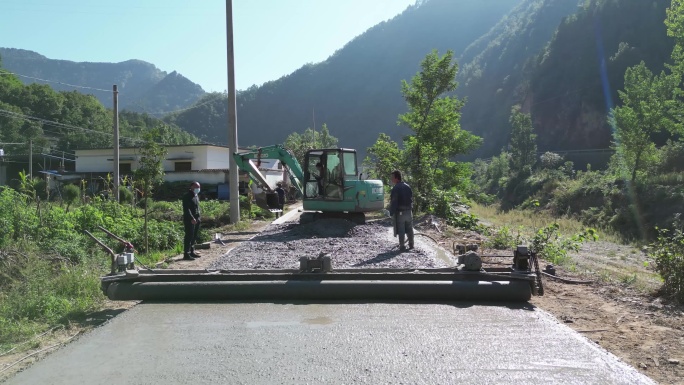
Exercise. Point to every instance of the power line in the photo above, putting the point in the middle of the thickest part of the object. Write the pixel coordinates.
(182, 109)
(16, 115)
(53, 81)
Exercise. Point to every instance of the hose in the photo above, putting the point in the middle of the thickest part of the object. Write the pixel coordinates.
(565, 280)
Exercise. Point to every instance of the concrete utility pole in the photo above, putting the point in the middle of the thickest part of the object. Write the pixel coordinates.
(233, 178)
(30, 159)
(116, 143)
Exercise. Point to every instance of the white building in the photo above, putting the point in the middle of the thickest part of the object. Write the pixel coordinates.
(205, 163)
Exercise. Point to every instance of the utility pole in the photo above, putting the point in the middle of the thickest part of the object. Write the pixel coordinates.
(233, 176)
(31, 159)
(116, 143)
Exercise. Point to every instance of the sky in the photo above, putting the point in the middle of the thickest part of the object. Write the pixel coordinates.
(272, 38)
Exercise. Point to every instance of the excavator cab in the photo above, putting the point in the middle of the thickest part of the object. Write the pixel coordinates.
(327, 171)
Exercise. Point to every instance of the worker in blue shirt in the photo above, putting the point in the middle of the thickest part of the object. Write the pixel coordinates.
(401, 207)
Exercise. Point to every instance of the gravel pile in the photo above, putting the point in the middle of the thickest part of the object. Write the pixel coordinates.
(349, 246)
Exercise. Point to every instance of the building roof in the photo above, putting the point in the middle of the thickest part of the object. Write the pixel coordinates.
(165, 145)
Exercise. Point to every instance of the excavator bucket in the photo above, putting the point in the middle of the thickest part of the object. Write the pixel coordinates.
(267, 200)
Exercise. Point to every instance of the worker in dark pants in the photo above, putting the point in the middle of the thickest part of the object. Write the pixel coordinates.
(281, 198)
(401, 207)
(191, 221)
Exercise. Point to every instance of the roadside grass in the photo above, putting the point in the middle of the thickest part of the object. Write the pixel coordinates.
(529, 221)
(625, 268)
(43, 293)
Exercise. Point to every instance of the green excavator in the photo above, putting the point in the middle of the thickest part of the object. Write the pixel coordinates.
(329, 183)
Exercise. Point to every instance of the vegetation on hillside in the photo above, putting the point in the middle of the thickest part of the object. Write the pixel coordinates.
(66, 121)
(142, 87)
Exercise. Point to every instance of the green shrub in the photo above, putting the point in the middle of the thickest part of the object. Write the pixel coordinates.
(125, 195)
(668, 253)
(550, 244)
(502, 239)
(71, 194)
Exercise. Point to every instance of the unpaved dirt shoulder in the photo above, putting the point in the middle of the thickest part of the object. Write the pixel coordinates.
(640, 330)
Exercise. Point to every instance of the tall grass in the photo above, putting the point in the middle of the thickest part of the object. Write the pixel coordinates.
(529, 221)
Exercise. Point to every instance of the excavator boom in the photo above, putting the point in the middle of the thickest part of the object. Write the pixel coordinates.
(246, 162)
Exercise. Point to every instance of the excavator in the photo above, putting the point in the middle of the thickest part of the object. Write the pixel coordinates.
(330, 183)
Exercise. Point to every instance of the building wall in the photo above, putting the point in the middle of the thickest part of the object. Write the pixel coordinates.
(101, 160)
(202, 157)
(218, 157)
(209, 164)
(205, 177)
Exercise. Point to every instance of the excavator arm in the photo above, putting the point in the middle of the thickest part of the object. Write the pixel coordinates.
(249, 162)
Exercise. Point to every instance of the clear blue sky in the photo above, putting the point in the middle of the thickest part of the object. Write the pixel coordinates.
(272, 37)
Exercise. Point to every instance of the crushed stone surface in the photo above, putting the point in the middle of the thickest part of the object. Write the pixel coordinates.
(349, 245)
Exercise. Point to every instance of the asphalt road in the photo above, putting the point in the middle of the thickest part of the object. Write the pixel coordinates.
(331, 343)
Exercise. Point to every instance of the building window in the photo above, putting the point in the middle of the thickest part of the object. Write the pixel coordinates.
(183, 166)
(125, 168)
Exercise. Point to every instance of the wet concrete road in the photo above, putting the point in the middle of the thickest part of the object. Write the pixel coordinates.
(331, 343)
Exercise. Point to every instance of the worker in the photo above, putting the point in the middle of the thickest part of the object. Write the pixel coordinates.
(401, 207)
(191, 221)
(281, 198)
(319, 178)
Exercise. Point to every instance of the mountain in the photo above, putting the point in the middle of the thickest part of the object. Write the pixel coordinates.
(357, 90)
(545, 55)
(563, 61)
(495, 67)
(142, 86)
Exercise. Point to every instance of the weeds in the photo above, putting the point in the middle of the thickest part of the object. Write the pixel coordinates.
(550, 244)
(501, 239)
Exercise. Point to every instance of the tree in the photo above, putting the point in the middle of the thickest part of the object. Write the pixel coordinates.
(523, 144)
(150, 173)
(299, 144)
(383, 158)
(647, 103)
(675, 29)
(435, 120)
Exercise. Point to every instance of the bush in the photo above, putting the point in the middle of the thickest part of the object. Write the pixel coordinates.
(70, 194)
(668, 253)
(550, 244)
(502, 239)
(125, 195)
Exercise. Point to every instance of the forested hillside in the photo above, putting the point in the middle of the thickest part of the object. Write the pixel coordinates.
(575, 81)
(142, 86)
(562, 60)
(65, 121)
(356, 91)
(542, 54)
(495, 68)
